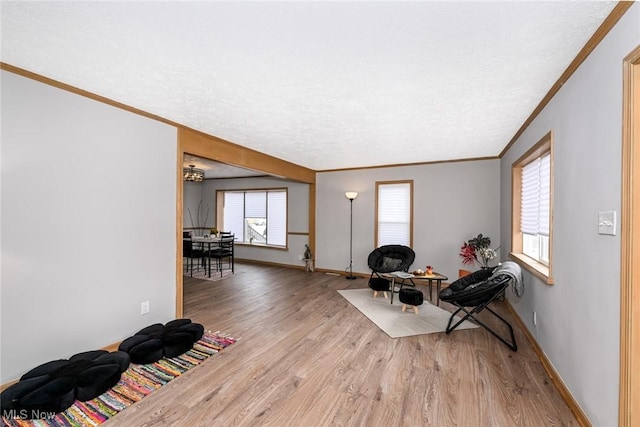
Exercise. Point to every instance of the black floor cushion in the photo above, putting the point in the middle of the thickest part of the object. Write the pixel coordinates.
(379, 284)
(156, 341)
(55, 385)
(411, 296)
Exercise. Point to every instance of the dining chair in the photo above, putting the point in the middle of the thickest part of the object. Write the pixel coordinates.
(224, 251)
(191, 253)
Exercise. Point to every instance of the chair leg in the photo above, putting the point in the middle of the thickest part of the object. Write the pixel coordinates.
(451, 328)
(512, 345)
(470, 314)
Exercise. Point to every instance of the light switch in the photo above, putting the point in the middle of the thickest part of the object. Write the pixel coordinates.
(607, 222)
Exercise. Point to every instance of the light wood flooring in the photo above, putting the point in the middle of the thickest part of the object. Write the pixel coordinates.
(306, 357)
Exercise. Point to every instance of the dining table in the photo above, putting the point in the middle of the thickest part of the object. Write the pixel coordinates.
(208, 244)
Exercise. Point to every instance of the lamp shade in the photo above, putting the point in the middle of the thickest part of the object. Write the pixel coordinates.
(351, 195)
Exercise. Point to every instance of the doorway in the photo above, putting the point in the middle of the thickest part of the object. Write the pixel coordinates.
(629, 407)
(209, 147)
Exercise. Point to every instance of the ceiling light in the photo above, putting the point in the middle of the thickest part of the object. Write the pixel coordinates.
(193, 174)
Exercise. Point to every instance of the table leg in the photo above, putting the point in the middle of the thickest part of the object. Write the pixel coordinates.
(393, 287)
(430, 290)
(438, 284)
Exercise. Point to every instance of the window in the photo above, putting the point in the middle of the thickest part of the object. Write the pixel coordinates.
(532, 202)
(534, 208)
(255, 217)
(394, 213)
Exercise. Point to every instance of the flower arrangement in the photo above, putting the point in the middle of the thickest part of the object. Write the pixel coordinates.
(478, 250)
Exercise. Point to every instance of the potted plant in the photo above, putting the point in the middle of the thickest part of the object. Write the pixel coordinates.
(478, 250)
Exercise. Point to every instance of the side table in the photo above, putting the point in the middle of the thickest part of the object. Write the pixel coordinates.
(430, 278)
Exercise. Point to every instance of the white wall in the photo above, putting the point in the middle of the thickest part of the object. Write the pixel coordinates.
(297, 216)
(88, 233)
(578, 317)
(453, 202)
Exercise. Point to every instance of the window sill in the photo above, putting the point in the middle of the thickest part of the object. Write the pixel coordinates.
(539, 270)
(263, 246)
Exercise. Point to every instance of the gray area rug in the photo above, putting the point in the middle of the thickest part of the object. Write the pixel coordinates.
(215, 275)
(396, 323)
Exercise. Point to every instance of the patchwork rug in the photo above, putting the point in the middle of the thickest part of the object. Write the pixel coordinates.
(396, 323)
(136, 382)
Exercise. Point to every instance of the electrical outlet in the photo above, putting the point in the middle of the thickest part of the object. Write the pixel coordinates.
(144, 307)
(535, 318)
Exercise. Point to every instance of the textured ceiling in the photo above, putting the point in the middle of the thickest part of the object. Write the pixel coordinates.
(325, 85)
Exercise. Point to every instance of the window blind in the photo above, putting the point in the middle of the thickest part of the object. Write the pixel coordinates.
(394, 214)
(234, 214)
(277, 218)
(535, 199)
(255, 204)
(259, 209)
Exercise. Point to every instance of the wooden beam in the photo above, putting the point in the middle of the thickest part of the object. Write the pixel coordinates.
(214, 148)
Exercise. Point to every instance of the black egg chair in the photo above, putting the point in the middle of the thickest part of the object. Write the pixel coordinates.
(387, 259)
(472, 294)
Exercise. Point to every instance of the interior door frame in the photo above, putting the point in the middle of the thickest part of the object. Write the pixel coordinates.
(213, 148)
(629, 395)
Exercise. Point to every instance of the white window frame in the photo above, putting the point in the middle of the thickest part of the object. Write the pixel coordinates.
(379, 213)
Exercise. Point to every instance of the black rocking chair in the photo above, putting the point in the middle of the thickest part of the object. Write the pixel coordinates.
(477, 291)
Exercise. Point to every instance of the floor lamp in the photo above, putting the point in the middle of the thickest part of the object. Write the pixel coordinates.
(351, 195)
